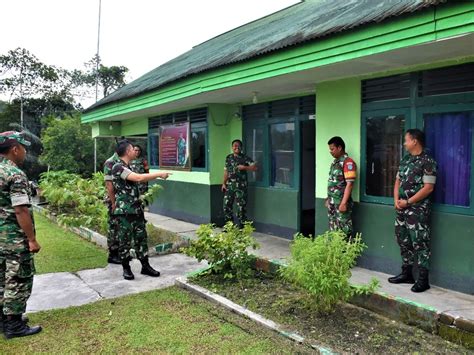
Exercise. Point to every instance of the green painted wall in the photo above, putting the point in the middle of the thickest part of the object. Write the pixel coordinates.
(422, 27)
(452, 262)
(135, 126)
(220, 123)
(102, 129)
(338, 110)
(183, 200)
(272, 206)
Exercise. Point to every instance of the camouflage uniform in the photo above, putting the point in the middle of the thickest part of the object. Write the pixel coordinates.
(412, 224)
(342, 171)
(236, 187)
(16, 261)
(129, 214)
(112, 240)
(138, 166)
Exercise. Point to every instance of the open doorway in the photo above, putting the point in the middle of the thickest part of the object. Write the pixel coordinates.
(308, 177)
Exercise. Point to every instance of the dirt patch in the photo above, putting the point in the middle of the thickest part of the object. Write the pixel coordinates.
(347, 329)
(160, 236)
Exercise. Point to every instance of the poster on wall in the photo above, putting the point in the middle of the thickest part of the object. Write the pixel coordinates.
(174, 146)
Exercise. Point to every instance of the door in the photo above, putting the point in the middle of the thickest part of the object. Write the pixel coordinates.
(308, 177)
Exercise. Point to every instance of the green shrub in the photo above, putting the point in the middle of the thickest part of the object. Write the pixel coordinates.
(76, 201)
(322, 266)
(152, 193)
(226, 251)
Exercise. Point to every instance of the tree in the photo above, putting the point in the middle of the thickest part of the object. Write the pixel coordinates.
(109, 79)
(24, 76)
(68, 145)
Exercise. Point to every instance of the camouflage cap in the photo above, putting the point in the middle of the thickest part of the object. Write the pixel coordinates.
(9, 137)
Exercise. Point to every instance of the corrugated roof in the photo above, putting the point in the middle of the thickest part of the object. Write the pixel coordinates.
(299, 23)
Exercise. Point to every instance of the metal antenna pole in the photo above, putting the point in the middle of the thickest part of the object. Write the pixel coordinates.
(97, 80)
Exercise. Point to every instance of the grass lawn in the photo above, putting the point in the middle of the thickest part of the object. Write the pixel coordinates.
(64, 251)
(162, 321)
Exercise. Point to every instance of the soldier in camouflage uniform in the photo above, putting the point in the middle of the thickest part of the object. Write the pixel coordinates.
(129, 212)
(414, 184)
(235, 183)
(17, 237)
(139, 165)
(112, 240)
(342, 175)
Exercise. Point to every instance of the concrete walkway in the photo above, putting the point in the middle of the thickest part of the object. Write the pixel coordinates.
(65, 289)
(271, 247)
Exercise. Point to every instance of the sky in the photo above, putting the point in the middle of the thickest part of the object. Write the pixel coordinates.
(139, 34)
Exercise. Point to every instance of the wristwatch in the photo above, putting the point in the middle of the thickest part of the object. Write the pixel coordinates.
(408, 202)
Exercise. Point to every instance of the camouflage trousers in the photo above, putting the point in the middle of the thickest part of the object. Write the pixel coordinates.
(239, 196)
(112, 238)
(340, 221)
(17, 268)
(413, 235)
(132, 237)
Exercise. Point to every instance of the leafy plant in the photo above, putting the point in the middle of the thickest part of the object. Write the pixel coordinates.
(151, 194)
(76, 201)
(226, 250)
(322, 266)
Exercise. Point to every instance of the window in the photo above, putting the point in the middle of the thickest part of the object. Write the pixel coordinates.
(254, 149)
(283, 154)
(449, 140)
(440, 102)
(271, 138)
(198, 145)
(198, 127)
(153, 144)
(384, 144)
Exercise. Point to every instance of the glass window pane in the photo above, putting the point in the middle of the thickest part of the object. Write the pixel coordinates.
(153, 144)
(254, 149)
(283, 154)
(384, 148)
(449, 141)
(198, 147)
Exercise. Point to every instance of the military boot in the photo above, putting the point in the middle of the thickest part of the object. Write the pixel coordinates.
(147, 269)
(114, 257)
(14, 327)
(422, 284)
(127, 271)
(406, 276)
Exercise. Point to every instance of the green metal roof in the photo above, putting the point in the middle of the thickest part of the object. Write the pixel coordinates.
(302, 22)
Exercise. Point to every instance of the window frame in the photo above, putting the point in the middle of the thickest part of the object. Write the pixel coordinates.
(266, 123)
(198, 124)
(446, 108)
(202, 125)
(364, 197)
(415, 107)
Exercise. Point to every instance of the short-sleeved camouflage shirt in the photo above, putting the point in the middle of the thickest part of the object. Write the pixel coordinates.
(414, 172)
(237, 178)
(127, 201)
(342, 171)
(14, 191)
(108, 165)
(138, 165)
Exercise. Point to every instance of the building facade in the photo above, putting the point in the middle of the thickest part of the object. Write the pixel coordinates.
(288, 82)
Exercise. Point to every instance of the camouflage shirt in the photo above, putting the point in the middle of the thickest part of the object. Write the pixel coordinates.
(108, 165)
(342, 171)
(414, 172)
(138, 166)
(237, 178)
(127, 201)
(14, 191)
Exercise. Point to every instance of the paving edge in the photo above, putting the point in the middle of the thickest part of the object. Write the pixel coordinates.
(234, 307)
(453, 328)
(101, 240)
